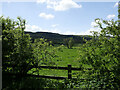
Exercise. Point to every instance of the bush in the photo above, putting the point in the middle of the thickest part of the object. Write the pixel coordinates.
(19, 53)
(102, 55)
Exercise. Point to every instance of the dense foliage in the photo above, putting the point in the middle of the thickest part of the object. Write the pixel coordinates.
(17, 50)
(102, 55)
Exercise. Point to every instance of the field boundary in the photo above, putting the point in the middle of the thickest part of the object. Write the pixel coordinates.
(69, 68)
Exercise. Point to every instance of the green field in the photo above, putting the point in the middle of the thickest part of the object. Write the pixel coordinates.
(67, 56)
(64, 57)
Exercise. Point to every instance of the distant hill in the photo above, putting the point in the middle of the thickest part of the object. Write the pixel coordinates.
(57, 38)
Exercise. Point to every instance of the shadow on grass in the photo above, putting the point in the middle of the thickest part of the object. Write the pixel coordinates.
(17, 83)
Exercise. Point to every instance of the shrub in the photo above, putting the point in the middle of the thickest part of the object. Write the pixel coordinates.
(102, 55)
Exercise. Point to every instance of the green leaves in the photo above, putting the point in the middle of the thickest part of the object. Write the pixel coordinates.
(103, 54)
(41, 53)
(18, 49)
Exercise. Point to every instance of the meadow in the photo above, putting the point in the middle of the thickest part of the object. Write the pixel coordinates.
(101, 54)
(64, 57)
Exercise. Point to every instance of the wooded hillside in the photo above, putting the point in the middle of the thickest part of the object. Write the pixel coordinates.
(57, 38)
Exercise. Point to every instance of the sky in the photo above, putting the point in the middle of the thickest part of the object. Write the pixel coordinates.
(67, 17)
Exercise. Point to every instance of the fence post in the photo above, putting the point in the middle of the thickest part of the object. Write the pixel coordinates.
(69, 71)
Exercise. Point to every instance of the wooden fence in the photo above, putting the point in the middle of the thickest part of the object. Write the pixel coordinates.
(69, 68)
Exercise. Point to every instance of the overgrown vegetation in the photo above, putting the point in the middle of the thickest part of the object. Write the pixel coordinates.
(18, 51)
(101, 54)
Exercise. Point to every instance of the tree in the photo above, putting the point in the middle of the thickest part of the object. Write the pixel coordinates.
(41, 53)
(16, 45)
(102, 55)
(69, 42)
(18, 49)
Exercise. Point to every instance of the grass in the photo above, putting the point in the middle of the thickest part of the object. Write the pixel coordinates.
(65, 56)
(54, 72)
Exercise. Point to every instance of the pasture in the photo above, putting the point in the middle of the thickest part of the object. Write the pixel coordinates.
(64, 57)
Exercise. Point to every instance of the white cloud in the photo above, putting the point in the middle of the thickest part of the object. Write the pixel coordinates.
(34, 28)
(46, 16)
(41, 1)
(60, 5)
(93, 24)
(110, 16)
(65, 5)
(116, 4)
(54, 25)
(88, 32)
(69, 33)
(54, 31)
(92, 28)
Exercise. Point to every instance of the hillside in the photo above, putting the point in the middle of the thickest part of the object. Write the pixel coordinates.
(57, 38)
